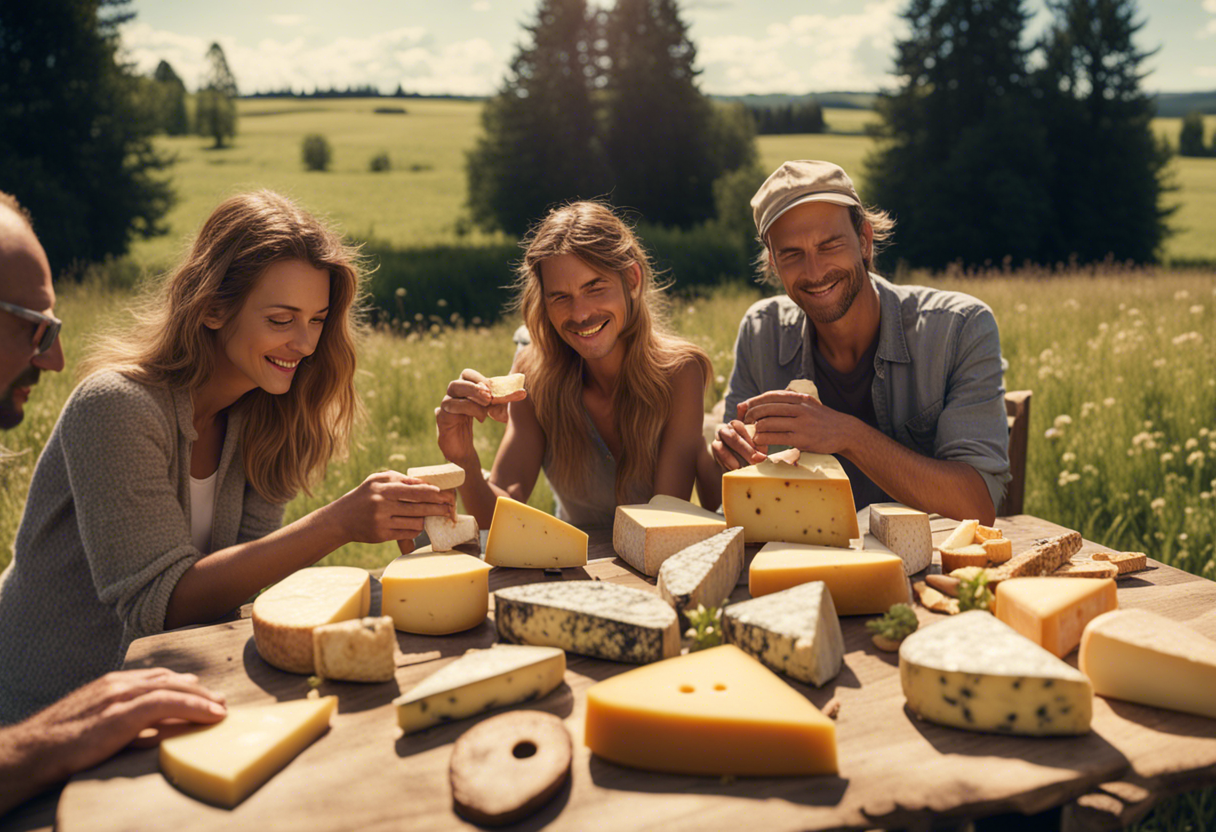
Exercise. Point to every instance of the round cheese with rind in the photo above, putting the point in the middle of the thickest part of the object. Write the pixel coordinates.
(285, 615)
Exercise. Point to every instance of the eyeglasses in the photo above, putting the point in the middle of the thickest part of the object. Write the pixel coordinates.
(47, 329)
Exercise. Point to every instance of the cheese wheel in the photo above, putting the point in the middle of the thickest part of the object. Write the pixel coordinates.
(284, 615)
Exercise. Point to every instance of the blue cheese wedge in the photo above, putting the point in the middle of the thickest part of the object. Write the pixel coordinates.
(480, 680)
(595, 618)
(795, 632)
(975, 672)
(703, 573)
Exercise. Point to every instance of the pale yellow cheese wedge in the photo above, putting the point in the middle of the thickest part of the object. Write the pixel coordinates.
(1053, 612)
(861, 582)
(446, 534)
(809, 502)
(284, 615)
(501, 386)
(528, 538)
(1142, 657)
(963, 535)
(360, 650)
(445, 476)
(645, 535)
(714, 712)
(804, 385)
(435, 593)
(224, 763)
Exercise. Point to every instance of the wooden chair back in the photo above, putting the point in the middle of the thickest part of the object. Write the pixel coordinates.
(1017, 413)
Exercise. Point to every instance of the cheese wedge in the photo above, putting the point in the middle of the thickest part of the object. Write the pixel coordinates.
(224, 763)
(435, 593)
(1146, 658)
(284, 615)
(704, 573)
(861, 582)
(809, 502)
(1052, 612)
(645, 535)
(963, 535)
(359, 650)
(446, 534)
(595, 618)
(794, 631)
(905, 531)
(501, 386)
(972, 671)
(715, 712)
(804, 385)
(528, 538)
(481, 680)
(443, 477)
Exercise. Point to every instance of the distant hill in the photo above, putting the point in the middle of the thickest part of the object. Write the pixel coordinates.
(842, 100)
(1178, 104)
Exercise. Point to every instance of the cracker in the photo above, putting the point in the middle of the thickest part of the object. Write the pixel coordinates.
(1126, 561)
(931, 599)
(1086, 569)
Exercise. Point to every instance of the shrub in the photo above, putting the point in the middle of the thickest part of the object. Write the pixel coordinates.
(317, 152)
(379, 163)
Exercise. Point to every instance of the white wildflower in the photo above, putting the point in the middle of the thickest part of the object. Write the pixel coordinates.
(1157, 504)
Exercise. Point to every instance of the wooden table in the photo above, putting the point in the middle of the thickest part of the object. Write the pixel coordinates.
(895, 770)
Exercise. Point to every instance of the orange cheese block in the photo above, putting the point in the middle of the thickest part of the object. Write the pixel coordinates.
(1053, 612)
(861, 582)
(716, 712)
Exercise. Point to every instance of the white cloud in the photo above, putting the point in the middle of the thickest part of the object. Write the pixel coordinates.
(481, 6)
(288, 19)
(1205, 71)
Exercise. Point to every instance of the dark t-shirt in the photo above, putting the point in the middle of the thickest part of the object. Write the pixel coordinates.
(851, 393)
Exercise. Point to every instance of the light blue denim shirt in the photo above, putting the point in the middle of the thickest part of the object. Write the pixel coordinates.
(938, 381)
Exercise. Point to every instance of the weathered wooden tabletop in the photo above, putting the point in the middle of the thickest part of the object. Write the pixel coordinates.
(895, 770)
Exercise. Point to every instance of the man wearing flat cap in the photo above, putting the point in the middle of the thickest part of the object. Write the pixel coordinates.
(911, 395)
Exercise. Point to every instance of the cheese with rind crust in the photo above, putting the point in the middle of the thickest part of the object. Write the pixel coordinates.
(713, 712)
(704, 573)
(972, 671)
(1052, 612)
(502, 386)
(905, 531)
(435, 593)
(225, 762)
(359, 650)
(443, 477)
(810, 502)
(595, 618)
(480, 680)
(446, 534)
(527, 538)
(861, 582)
(795, 632)
(285, 614)
(1142, 657)
(647, 534)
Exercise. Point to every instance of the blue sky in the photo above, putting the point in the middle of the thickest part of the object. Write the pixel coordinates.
(464, 46)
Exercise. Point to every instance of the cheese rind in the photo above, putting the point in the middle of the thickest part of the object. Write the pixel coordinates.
(795, 632)
(443, 477)
(715, 712)
(528, 538)
(595, 618)
(225, 762)
(435, 593)
(1142, 657)
(647, 534)
(972, 671)
(501, 386)
(446, 534)
(703, 573)
(1052, 612)
(285, 614)
(359, 650)
(905, 531)
(810, 502)
(861, 582)
(480, 680)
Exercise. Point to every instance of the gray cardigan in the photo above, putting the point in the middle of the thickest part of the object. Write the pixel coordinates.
(106, 536)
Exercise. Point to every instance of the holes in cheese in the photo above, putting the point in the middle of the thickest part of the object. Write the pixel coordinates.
(1053, 612)
(360, 650)
(284, 615)
(443, 477)
(645, 535)
(528, 538)
(808, 502)
(224, 763)
(861, 582)
(715, 712)
(434, 593)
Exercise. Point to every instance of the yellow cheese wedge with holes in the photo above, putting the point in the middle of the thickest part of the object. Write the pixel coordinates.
(284, 615)
(808, 502)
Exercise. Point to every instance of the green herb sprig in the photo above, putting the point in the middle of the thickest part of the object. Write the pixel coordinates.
(706, 627)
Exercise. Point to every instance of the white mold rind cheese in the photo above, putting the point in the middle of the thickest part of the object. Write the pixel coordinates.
(703, 573)
(972, 671)
(795, 632)
(445, 476)
(595, 618)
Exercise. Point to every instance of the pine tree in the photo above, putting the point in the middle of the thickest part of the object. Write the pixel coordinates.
(539, 145)
(172, 95)
(1190, 138)
(217, 98)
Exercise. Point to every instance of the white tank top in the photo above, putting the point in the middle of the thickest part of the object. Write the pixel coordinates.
(202, 511)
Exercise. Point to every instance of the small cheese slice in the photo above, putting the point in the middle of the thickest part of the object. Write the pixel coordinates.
(703, 573)
(225, 762)
(481, 680)
(501, 386)
(446, 534)
(528, 538)
(861, 582)
(1146, 658)
(972, 671)
(905, 531)
(804, 385)
(1052, 612)
(810, 502)
(795, 631)
(645, 535)
(434, 593)
(963, 535)
(595, 618)
(285, 614)
(443, 477)
(715, 712)
(359, 650)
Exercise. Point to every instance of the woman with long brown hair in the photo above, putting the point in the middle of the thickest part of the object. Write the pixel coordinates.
(158, 499)
(615, 402)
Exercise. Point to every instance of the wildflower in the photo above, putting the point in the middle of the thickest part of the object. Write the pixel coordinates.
(1196, 458)
(1051, 433)
(1197, 309)
(692, 310)
(1192, 444)
(1159, 363)
(400, 292)
(1089, 469)
(1133, 312)
(1205, 495)
(1069, 457)
(1157, 504)
(1181, 294)
(1167, 457)
(1189, 510)
(1087, 408)
(720, 379)
(1062, 420)
(441, 303)
(1182, 537)
(1020, 308)
(396, 458)
(1184, 338)
(1067, 477)
(1109, 401)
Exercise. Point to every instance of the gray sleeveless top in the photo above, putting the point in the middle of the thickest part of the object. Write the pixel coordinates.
(592, 503)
